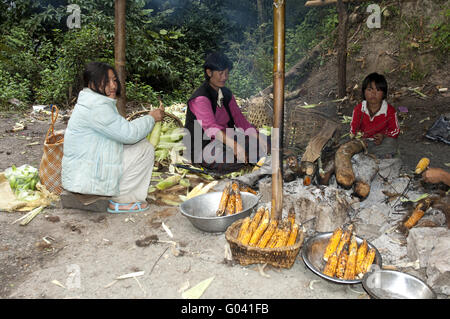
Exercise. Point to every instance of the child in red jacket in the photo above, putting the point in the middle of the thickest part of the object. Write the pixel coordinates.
(375, 118)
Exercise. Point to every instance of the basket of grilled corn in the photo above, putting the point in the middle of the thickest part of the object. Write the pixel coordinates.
(260, 239)
(340, 256)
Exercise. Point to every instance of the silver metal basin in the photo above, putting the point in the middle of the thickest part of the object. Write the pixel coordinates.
(314, 249)
(201, 211)
(391, 284)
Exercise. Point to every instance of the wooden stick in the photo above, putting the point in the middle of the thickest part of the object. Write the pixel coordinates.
(278, 103)
(320, 3)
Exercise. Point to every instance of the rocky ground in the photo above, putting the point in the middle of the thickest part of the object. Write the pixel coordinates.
(66, 253)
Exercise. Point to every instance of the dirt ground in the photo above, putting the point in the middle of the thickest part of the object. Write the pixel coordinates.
(87, 251)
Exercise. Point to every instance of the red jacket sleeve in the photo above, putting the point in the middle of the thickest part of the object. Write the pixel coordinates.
(355, 125)
(393, 128)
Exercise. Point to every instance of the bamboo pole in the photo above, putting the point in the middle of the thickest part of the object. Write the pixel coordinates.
(342, 48)
(119, 51)
(278, 104)
(319, 3)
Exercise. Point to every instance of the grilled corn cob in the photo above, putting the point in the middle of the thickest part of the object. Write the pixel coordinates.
(345, 239)
(362, 251)
(273, 240)
(330, 267)
(244, 188)
(368, 261)
(244, 228)
(224, 200)
(256, 219)
(342, 262)
(231, 205)
(422, 165)
(333, 243)
(416, 215)
(262, 243)
(260, 230)
(291, 215)
(284, 236)
(237, 192)
(350, 268)
(293, 235)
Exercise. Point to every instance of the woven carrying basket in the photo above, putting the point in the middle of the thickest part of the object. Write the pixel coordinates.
(51, 162)
(283, 257)
(301, 125)
(260, 112)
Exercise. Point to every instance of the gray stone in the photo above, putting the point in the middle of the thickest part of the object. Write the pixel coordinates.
(438, 270)
(89, 202)
(421, 241)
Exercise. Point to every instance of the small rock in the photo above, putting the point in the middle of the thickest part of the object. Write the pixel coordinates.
(421, 241)
(438, 270)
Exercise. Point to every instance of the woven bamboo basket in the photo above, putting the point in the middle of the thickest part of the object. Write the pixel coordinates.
(301, 125)
(260, 111)
(283, 257)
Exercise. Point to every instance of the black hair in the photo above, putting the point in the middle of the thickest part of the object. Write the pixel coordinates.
(96, 74)
(217, 61)
(380, 83)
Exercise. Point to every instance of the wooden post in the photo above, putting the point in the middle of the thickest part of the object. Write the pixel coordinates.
(119, 52)
(342, 48)
(278, 107)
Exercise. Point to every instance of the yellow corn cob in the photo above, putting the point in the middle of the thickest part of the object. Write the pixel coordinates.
(244, 227)
(260, 230)
(342, 262)
(291, 216)
(237, 192)
(224, 200)
(253, 226)
(330, 267)
(333, 243)
(262, 243)
(422, 165)
(362, 251)
(231, 205)
(273, 240)
(293, 235)
(259, 164)
(345, 239)
(350, 268)
(256, 219)
(368, 261)
(416, 215)
(284, 236)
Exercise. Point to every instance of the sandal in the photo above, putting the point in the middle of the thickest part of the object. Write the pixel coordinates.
(135, 208)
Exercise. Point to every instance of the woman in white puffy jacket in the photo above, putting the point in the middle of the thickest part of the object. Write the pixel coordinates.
(104, 154)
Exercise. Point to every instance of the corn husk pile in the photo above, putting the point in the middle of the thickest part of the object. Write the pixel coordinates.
(171, 185)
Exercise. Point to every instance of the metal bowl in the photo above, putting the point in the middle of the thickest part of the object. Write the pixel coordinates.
(391, 284)
(201, 211)
(314, 249)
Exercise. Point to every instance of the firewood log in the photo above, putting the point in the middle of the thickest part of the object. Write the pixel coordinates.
(343, 164)
(365, 169)
(328, 171)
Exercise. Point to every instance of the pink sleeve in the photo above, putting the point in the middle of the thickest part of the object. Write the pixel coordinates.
(201, 107)
(239, 118)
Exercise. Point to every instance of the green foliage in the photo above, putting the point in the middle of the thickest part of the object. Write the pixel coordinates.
(440, 37)
(13, 86)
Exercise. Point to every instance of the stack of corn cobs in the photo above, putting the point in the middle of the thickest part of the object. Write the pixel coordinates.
(231, 200)
(345, 260)
(262, 232)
